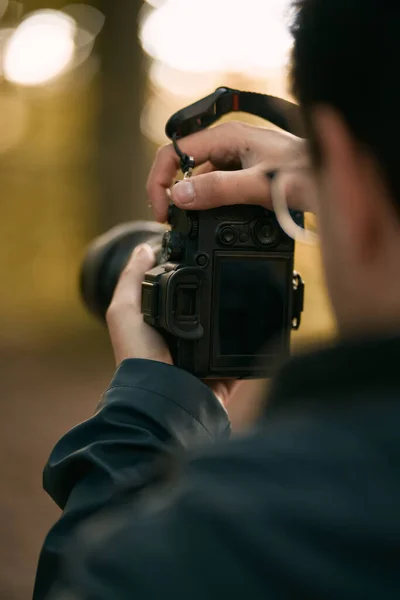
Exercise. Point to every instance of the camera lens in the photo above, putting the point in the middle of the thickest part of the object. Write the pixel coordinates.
(266, 232)
(107, 257)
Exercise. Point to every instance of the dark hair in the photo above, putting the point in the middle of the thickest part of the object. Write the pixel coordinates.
(346, 56)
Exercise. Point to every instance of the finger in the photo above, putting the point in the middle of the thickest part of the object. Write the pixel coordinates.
(220, 144)
(224, 389)
(208, 167)
(221, 188)
(129, 289)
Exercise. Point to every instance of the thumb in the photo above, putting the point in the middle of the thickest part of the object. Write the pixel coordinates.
(129, 288)
(222, 188)
(142, 259)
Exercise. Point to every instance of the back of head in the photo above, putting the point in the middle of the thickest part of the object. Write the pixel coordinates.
(345, 63)
(345, 56)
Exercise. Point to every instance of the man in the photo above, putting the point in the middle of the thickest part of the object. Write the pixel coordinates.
(306, 505)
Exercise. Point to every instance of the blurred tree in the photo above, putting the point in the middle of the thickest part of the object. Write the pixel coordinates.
(48, 201)
(72, 164)
(123, 160)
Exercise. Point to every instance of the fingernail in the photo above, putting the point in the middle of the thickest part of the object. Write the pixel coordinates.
(143, 251)
(183, 192)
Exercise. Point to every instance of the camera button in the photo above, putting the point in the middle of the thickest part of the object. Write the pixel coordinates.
(267, 232)
(202, 260)
(227, 236)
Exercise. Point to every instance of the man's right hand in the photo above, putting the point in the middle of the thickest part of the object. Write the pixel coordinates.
(233, 160)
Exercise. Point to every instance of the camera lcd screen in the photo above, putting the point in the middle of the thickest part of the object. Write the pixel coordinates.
(252, 305)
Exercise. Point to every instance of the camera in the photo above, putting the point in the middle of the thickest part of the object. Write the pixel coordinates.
(223, 293)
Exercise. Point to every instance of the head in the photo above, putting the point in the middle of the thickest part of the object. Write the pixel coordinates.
(345, 79)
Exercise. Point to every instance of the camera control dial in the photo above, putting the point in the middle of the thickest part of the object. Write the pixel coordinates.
(193, 223)
(266, 232)
(173, 245)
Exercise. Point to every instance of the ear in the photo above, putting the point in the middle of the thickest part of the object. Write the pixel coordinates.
(358, 189)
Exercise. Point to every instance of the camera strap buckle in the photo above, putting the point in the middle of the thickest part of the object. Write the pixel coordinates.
(187, 162)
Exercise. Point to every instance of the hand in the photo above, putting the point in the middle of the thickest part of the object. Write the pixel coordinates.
(232, 161)
(130, 336)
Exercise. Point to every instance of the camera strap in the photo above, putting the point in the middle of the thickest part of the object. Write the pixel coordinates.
(209, 110)
(279, 112)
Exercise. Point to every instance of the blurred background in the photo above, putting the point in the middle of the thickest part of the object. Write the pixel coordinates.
(85, 91)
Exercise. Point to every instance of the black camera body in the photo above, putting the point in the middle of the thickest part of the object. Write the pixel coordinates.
(225, 295)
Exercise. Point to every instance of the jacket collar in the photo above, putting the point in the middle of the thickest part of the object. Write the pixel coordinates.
(335, 373)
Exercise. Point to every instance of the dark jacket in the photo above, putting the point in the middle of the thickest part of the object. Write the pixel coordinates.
(305, 506)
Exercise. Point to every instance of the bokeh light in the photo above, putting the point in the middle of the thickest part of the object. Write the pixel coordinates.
(206, 36)
(5, 35)
(41, 48)
(198, 45)
(88, 19)
(89, 23)
(155, 3)
(182, 83)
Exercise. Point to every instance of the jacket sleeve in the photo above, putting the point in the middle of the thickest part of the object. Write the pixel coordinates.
(286, 511)
(149, 414)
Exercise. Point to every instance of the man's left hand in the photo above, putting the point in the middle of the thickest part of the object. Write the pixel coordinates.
(130, 336)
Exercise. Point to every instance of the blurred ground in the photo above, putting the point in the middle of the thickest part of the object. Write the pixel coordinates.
(43, 394)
